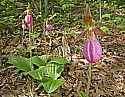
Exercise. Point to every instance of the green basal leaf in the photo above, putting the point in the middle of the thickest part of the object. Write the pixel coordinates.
(40, 60)
(54, 70)
(51, 85)
(59, 60)
(83, 94)
(21, 63)
(38, 73)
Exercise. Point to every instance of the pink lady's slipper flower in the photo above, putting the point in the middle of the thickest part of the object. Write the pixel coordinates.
(49, 27)
(92, 49)
(28, 20)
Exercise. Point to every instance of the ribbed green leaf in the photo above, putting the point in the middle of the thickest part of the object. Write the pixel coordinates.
(21, 63)
(51, 85)
(38, 73)
(40, 60)
(54, 70)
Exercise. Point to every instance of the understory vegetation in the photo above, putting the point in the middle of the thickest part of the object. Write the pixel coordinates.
(62, 48)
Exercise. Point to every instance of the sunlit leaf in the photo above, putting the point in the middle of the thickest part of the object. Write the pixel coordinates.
(51, 85)
(54, 70)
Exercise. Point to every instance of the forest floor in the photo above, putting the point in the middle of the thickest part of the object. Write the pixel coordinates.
(108, 75)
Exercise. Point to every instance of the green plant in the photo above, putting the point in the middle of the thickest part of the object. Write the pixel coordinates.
(8, 15)
(83, 94)
(45, 69)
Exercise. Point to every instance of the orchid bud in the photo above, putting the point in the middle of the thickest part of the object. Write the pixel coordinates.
(28, 20)
(92, 50)
(49, 27)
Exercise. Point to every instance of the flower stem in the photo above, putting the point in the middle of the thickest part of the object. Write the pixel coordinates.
(30, 50)
(100, 12)
(89, 79)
